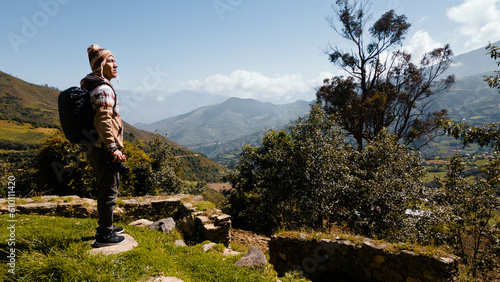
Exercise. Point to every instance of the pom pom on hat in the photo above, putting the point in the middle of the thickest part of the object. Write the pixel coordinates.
(93, 48)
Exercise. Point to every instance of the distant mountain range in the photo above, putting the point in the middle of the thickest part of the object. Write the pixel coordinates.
(228, 121)
(156, 105)
(153, 106)
(472, 63)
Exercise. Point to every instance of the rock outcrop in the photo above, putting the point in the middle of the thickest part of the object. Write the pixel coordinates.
(141, 223)
(254, 257)
(165, 225)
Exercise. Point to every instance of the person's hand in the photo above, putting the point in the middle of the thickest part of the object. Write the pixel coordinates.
(118, 156)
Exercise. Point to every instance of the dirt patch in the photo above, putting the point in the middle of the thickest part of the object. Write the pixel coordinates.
(250, 239)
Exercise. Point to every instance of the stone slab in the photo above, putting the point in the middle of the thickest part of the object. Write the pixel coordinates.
(128, 245)
(141, 223)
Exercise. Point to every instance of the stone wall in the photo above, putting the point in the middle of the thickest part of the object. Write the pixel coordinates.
(73, 206)
(341, 260)
(153, 208)
(196, 226)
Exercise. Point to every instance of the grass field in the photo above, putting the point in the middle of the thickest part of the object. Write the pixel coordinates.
(25, 133)
(57, 249)
(430, 176)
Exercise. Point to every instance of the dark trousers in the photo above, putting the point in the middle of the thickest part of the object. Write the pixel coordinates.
(107, 188)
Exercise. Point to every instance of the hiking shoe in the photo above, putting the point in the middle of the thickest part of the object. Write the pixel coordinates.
(110, 240)
(116, 230)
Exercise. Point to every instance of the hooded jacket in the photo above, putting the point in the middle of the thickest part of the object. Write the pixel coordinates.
(107, 120)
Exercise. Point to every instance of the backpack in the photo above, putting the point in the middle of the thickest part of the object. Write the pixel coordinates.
(77, 116)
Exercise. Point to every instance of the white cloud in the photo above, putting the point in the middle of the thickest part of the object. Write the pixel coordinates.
(247, 84)
(425, 18)
(479, 21)
(420, 43)
(318, 81)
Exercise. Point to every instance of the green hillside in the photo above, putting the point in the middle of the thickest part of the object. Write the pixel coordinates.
(470, 99)
(23, 102)
(28, 114)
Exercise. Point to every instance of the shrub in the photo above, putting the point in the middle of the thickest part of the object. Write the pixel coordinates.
(165, 174)
(290, 179)
(467, 207)
(309, 177)
(139, 163)
(387, 184)
(62, 168)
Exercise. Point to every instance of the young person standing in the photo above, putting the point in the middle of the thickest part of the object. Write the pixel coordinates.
(108, 149)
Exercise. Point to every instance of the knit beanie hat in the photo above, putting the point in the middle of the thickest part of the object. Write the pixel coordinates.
(97, 57)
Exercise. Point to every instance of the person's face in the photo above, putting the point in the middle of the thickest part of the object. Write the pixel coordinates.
(109, 69)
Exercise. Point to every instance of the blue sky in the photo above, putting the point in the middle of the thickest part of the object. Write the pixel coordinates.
(245, 48)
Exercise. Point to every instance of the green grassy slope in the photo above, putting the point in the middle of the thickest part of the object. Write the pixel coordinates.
(29, 113)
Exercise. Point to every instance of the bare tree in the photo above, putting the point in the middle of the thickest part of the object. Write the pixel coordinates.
(382, 90)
